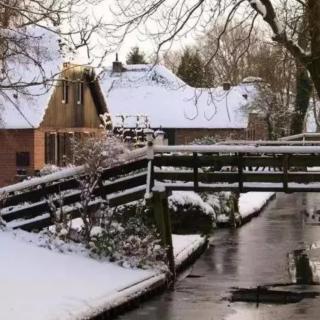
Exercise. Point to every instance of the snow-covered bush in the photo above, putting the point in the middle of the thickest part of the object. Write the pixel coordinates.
(61, 219)
(130, 240)
(189, 200)
(95, 153)
(221, 202)
(190, 213)
(98, 152)
(194, 213)
(207, 140)
(228, 213)
(112, 233)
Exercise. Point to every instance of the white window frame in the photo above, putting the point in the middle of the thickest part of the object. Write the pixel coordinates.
(65, 91)
(79, 93)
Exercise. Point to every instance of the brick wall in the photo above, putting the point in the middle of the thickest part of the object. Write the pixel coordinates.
(186, 136)
(257, 130)
(13, 141)
(39, 149)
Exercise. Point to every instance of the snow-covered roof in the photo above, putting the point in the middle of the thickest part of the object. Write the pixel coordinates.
(26, 107)
(170, 103)
(252, 80)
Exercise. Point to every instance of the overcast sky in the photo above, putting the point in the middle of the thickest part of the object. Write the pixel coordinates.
(102, 10)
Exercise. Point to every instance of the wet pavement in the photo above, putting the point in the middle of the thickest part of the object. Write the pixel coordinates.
(256, 254)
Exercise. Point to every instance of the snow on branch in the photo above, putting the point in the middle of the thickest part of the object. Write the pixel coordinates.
(266, 10)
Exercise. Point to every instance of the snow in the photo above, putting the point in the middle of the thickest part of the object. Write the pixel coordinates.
(189, 198)
(65, 173)
(251, 202)
(38, 283)
(62, 174)
(20, 110)
(168, 102)
(260, 7)
(185, 245)
(21, 222)
(238, 149)
(159, 188)
(252, 79)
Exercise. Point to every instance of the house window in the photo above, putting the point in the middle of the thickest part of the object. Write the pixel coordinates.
(79, 92)
(51, 148)
(22, 159)
(65, 91)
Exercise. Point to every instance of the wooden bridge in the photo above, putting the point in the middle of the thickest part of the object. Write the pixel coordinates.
(285, 166)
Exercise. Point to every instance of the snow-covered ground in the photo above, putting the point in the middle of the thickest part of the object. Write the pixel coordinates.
(251, 202)
(38, 283)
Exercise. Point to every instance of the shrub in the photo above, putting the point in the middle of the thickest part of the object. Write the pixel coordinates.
(133, 241)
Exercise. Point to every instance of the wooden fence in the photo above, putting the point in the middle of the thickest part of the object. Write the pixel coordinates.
(239, 168)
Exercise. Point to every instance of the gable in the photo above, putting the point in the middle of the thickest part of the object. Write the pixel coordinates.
(71, 113)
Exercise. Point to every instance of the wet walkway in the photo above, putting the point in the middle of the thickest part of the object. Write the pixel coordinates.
(255, 254)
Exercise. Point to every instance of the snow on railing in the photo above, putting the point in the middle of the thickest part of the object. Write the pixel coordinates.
(238, 149)
(270, 143)
(301, 136)
(65, 173)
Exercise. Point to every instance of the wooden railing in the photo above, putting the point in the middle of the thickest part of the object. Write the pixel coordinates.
(239, 168)
(29, 205)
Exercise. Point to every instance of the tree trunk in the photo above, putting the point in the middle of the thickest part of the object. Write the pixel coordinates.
(313, 13)
(303, 81)
(270, 127)
(314, 69)
(303, 94)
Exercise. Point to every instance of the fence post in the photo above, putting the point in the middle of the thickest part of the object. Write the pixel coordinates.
(240, 171)
(195, 172)
(285, 167)
(163, 224)
(150, 156)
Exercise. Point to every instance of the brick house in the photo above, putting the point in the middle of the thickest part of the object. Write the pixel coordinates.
(183, 112)
(38, 130)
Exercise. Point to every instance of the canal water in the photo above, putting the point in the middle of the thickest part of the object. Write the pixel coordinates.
(256, 254)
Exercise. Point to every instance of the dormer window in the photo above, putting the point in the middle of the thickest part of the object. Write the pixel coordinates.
(79, 93)
(65, 91)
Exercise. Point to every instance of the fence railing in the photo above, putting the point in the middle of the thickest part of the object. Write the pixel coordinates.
(239, 168)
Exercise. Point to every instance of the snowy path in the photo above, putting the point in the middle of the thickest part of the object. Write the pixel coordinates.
(37, 283)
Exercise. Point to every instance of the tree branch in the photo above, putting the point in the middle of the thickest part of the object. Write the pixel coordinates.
(266, 10)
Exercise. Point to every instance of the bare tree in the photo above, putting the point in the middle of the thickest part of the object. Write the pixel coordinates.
(176, 19)
(268, 104)
(233, 53)
(35, 34)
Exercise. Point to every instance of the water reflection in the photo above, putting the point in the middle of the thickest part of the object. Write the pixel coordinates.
(300, 267)
(312, 209)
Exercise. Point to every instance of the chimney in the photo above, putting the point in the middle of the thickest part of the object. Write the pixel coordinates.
(116, 65)
(226, 86)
